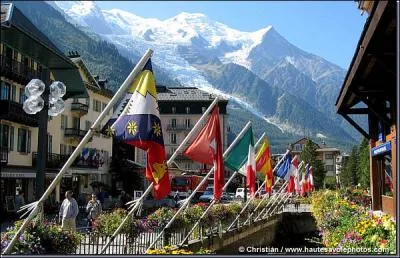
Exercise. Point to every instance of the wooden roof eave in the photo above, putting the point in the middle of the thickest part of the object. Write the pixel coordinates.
(345, 97)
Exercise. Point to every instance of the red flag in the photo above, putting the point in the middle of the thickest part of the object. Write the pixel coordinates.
(291, 185)
(207, 149)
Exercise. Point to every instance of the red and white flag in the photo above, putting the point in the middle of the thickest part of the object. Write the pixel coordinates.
(207, 149)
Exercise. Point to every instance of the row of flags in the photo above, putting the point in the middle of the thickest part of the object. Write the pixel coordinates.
(136, 121)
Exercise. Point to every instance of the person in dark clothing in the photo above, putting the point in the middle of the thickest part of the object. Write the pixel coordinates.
(124, 198)
(100, 196)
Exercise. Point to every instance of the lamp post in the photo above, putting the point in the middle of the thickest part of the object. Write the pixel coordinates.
(51, 104)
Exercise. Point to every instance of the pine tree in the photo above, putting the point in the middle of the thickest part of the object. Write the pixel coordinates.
(364, 175)
(350, 174)
(309, 155)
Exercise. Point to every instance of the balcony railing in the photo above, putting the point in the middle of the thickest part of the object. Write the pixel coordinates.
(12, 111)
(21, 73)
(54, 160)
(74, 132)
(4, 155)
(179, 127)
(80, 108)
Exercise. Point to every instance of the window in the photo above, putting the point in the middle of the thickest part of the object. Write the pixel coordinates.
(329, 168)
(11, 147)
(64, 121)
(5, 91)
(187, 123)
(187, 110)
(63, 149)
(104, 106)
(14, 93)
(328, 156)
(75, 123)
(387, 175)
(87, 100)
(173, 110)
(173, 138)
(75, 100)
(173, 122)
(203, 109)
(22, 96)
(49, 143)
(188, 166)
(297, 147)
(87, 125)
(4, 136)
(24, 140)
(96, 105)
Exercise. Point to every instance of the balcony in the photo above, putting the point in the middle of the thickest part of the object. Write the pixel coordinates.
(74, 132)
(56, 161)
(4, 156)
(176, 128)
(12, 111)
(79, 108)
(21, 73)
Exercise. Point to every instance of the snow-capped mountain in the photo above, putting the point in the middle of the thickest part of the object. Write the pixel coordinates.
(192, 47)
(85, 13)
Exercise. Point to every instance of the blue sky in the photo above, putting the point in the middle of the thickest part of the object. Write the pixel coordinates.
(330, 29)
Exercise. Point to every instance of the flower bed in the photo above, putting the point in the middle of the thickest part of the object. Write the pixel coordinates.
(41, 238)
(176, 251)
(344, 223)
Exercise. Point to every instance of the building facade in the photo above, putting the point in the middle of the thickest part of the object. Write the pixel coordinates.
(25, 54)
(90, 169)
(327, 155)
(180, 109)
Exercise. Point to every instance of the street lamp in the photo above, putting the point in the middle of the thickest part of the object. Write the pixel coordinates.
(51, 104)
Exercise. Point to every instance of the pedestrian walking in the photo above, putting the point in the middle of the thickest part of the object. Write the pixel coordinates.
(68, 212)
(93, 209)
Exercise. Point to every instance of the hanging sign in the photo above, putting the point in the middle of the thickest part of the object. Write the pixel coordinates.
(383, 148)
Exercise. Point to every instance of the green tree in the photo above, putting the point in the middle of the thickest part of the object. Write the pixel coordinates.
(309, 155)
(364, 174)
(350, 174)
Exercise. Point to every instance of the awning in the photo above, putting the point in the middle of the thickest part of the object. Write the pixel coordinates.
(19, 33)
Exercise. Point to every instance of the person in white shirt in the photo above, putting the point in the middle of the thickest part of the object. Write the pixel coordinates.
(68, 212)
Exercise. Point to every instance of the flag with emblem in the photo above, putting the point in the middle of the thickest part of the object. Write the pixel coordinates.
(139, 125)
(207, 149)
(241, 158)
(264, 165)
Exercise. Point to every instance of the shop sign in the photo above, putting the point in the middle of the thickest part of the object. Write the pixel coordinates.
(383, 148)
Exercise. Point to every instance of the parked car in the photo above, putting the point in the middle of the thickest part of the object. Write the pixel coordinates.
(240, 192)
(209, 195)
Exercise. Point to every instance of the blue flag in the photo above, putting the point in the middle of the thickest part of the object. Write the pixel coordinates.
(284, 167)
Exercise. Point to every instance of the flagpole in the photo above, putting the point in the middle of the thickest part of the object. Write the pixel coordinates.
(262, 199)
(214, 201)
(283, 203)
(252, 197)
(169, 162)
(240, 135)
(283, 187)
(35, 206)
(263, 210)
